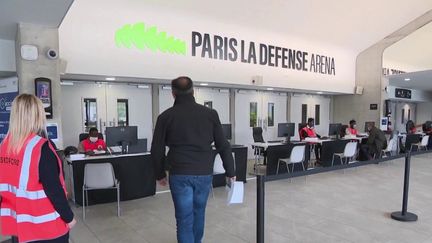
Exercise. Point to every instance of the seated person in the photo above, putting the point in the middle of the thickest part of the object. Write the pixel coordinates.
(376, 142)
(351, 130)
(93, 142)
(427, 128)
(309, 132)
(411, 127)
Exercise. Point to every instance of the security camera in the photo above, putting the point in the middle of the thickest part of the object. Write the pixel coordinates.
(52, 54)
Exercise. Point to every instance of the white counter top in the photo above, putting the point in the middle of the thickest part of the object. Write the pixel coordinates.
(107, 156)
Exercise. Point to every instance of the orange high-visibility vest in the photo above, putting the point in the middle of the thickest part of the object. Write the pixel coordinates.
(309, 131)
(352, 131)
(25, 210)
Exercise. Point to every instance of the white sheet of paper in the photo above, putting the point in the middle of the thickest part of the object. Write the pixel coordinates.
(236, 193)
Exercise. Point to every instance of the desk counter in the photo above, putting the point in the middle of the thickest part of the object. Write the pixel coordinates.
(134, 171)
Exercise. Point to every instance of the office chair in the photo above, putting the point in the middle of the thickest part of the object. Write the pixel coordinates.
(422, 144)
(258, 138)
(391, 147)
(349, 153)
(297, 156)
(343, 131)
(98, 177)
(257, 135)
(84, 136)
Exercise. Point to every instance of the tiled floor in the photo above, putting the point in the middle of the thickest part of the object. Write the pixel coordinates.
(330, 207)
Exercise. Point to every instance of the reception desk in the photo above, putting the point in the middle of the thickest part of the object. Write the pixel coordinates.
(136, 175)
(134, 171)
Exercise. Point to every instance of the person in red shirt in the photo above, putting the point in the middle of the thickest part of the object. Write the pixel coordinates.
(92, 143)
(309, 131)
(351, 130)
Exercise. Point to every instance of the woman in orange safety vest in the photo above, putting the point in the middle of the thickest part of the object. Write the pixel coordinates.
(33, 205)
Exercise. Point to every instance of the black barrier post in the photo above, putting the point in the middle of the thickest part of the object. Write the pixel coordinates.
(260, 208)
(404, 215)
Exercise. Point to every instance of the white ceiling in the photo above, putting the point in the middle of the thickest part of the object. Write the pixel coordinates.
(44, 12)
(414, 51)
(418, 80)
(351, 24)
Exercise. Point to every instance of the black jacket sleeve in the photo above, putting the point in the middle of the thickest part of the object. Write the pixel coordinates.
(49, 177)
(158, 148)
(223, 147)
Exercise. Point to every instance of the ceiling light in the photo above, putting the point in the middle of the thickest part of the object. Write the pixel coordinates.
(407, 79)
(143, 86)
(203, 84)
(66, 83)
(270, 89)
(319, 92)
(110, 79)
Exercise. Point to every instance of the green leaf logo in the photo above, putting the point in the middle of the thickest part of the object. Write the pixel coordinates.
(141, 37)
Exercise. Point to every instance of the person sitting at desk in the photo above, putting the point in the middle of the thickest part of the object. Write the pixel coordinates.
(427, 128)
(351, 130)
(411, 128)
(376, 142)
(93, 142)
(309, 132)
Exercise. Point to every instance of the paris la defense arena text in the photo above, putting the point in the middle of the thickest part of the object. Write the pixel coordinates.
(230, 49)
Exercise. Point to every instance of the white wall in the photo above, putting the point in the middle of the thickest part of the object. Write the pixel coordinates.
(90, 49)
(7, 55)
(220, 99)
(424, 112)
(399, 124)
(139, 105)
(311, 100)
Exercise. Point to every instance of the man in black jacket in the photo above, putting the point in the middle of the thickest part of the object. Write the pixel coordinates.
(189, 129)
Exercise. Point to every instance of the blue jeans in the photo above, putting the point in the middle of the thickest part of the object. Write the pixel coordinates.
(190, 194)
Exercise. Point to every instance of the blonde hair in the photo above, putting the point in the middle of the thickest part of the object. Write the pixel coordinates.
(27, 117)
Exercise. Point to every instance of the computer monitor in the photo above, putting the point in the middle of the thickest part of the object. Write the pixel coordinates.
(116, 136)
(286, 130)
(226, 128)
(139, 147)
(334, 129)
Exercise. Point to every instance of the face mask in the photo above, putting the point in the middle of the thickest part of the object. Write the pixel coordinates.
(93, 139)
(354, 126)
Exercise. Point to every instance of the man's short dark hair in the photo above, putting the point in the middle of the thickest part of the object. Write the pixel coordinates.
(310, 120)
(352, 122)
(182, 86)
(93, 129)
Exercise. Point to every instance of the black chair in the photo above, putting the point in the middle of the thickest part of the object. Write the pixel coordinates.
(258, 138)
(84, 136)
(343, 131)
(257, 135)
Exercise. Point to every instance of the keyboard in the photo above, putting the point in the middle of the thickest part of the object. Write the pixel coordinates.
(275, 141)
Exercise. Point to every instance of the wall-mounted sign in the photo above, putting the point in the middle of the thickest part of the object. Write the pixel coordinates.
(373, 107)
(391, 71)
(44, 93)
(225, 48)
(52, 131)
(403, 93)
(8, 92)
